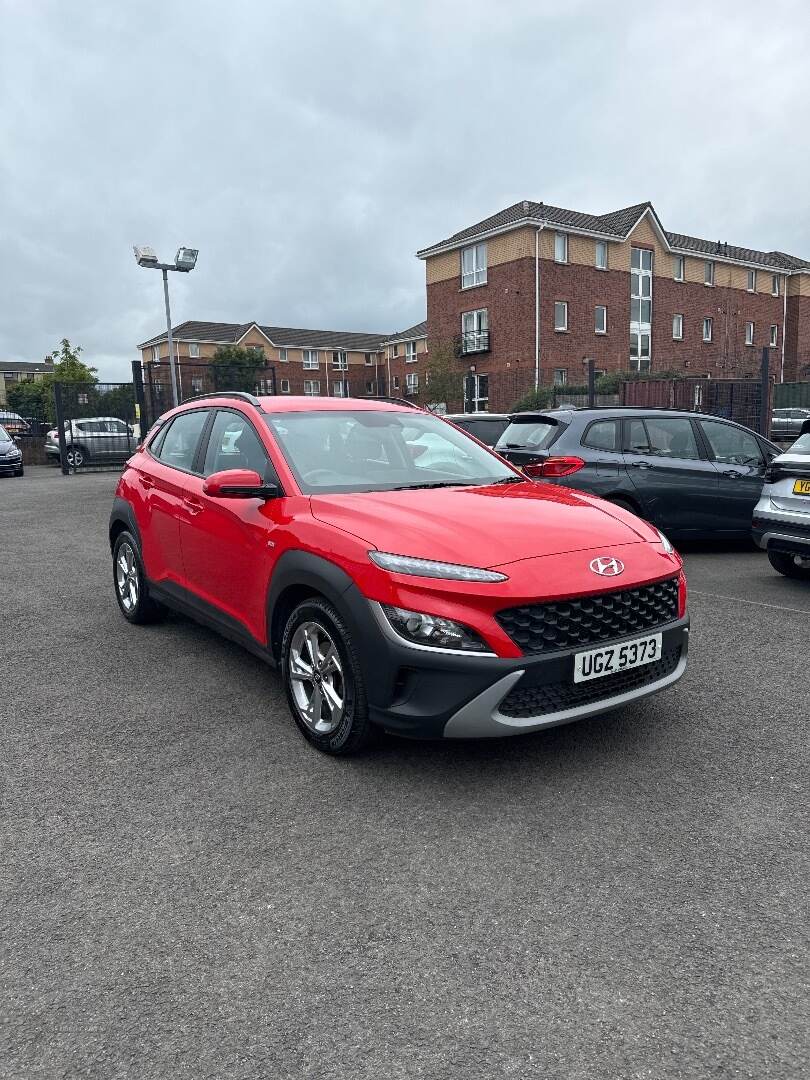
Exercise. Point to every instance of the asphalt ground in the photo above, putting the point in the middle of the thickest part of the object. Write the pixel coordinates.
(189, 890)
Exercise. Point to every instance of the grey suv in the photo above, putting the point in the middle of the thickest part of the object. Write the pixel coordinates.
(689, 474)
(93, 438)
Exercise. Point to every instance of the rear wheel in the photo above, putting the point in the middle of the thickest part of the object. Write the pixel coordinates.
(323, 679)
(131, 590)
(786, 564)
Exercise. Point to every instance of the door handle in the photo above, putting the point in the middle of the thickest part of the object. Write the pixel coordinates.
(731, 472)
(641, 465)
(144, 481)
(193, 506)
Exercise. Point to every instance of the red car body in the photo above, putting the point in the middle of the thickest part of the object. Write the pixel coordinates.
(241, 564)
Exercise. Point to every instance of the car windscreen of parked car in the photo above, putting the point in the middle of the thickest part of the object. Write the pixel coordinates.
(4, 435)
(336, 451)
(531, 433)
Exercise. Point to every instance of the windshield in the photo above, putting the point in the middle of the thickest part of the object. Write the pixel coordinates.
(4, 435)
(530, 434)
(339, 451)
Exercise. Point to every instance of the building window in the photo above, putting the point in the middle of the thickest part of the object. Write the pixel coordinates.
(312, 387)
(155, 354)
(371, 386)
(561, 247)
(708, 272)
(678, 262)
(340, 388)
(601, 255)
(639, 351)
(340, 361)
(194, 350)
(774, 284)
(707, 329)
(600, 319)
(412, 382)
(285, 386)
(475, 331)
(393, 350)
(752, 281)
(395, 382)
(677, 327)
(774, 335)
(410, 352)
(749, 333)
(283, 357)
(196, 384)
(311, 359)
(473, 265)
(560, 315)
(560, 376)
(369, 359)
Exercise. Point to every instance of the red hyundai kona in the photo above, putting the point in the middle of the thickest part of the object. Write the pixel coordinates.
(398, 573)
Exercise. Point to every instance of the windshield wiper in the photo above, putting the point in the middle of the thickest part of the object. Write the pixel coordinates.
(435, 484)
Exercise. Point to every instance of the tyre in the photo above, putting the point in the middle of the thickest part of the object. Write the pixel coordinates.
(131, 590)
(76, 456)
(20, 472)
(785, 565)
(323, 679)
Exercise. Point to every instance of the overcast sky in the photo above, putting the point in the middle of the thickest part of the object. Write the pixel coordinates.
(308, 149)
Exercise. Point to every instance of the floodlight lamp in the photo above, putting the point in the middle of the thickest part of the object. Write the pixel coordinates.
(186, 258)
(145, 255)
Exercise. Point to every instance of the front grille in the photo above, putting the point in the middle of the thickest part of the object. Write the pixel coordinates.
(569, 624)
(555, 697)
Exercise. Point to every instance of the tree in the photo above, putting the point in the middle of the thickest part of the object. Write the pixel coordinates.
(28, 398)
(444, 381)
(67, 368)
(542, 398)
(235, 368)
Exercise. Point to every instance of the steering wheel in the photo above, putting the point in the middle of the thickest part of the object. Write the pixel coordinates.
(322, 476)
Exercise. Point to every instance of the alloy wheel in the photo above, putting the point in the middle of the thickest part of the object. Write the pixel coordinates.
(316, 677)
(126, 577)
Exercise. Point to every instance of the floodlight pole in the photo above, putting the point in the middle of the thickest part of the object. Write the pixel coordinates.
(172, 366)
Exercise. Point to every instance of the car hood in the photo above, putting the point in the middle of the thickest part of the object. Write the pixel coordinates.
(481, 526)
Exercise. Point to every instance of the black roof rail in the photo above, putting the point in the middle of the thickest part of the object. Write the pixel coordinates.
(240, 395)
(390, 400)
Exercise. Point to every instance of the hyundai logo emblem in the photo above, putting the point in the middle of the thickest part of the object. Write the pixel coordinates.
(607, 567)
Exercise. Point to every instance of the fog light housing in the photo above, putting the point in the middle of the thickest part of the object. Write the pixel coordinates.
(433, 631)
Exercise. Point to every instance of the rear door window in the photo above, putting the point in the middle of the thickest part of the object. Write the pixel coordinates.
(672, 437)
(602, 435)
(179, 445)
(731, 445)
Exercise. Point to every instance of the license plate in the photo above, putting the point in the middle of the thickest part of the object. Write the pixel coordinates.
(801, 487)
(595, 663)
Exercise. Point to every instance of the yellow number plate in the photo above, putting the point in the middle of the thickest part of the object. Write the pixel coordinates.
(801, 487)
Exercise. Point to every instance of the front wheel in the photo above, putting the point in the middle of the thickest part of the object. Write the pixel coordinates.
(131, 590)
(787, 565)
(75, 457)
(323, 679)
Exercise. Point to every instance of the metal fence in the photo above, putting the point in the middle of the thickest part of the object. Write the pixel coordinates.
(794, 395)
(196, 377)
(98, 426)
(742, 400)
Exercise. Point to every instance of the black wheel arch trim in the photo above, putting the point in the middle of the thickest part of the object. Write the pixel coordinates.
(302, 570)
(123, 514)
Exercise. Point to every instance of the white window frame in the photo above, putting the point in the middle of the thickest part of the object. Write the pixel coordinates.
(562, 307)
(155, 354)
(285, 386)
(312, 387)
(560, 247)
(708, 325)
(560, 377)
(774, 335)
(475, 330)
(596, 310)
(475, 272)
(601, 245)
(194, 350)
(410, 352)
(412, 382)
(677, 327)
(196, 384)
(774, 284)
(338, 386)
(750, 330)
(369, 358)
(679, 267)
(751, 281)
(310, 359)
(395, 382)
(340, 360)
(283, 356)
(708, 272)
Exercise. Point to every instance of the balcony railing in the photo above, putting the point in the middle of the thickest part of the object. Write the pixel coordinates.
(475, 341)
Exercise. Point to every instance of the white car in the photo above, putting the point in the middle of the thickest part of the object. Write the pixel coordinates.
(781, 523)
(93, 439)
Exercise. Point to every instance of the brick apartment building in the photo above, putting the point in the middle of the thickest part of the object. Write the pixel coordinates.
(15, 371)
(532, 291)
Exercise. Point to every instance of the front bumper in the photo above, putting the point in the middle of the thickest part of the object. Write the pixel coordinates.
(7, 466)
(427, 693)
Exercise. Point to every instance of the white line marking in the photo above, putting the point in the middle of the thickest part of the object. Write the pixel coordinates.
(755, 603)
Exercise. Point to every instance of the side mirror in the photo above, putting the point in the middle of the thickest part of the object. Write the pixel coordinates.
(238, 484)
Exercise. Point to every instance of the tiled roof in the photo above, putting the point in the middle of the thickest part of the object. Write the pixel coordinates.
(617, 223)
(26, 365)
(228, 333)
(411, 334)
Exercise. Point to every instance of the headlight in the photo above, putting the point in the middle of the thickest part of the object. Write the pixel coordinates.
(433, 630)
(14, 454)
(665, 543)
(404, 564)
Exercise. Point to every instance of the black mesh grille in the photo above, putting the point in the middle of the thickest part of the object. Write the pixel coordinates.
(568, 624)
(554, 697)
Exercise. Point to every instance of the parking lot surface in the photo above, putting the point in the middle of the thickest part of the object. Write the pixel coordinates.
(189, 890)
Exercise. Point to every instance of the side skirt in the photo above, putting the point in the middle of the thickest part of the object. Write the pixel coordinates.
(185, 603)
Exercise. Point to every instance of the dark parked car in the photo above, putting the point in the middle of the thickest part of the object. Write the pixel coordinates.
(488, 427)
(689, 474)
(11, 460)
